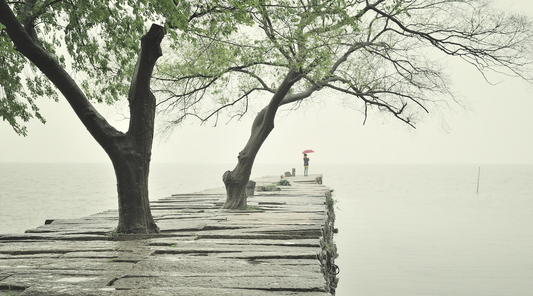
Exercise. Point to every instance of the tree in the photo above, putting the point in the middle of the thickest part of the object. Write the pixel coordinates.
(383, 56)
(36, 35)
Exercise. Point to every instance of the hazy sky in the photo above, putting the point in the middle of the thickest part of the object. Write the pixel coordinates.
(497, 127)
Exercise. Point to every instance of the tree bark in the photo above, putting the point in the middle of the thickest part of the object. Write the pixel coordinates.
(129, 152)
(131, 159)
(236, 180)
(131, 170)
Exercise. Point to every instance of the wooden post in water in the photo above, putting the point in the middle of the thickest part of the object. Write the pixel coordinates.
(478, 173)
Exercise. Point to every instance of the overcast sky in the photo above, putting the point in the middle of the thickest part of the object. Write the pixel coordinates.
(497, 127)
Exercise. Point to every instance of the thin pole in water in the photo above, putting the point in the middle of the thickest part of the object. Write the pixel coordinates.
(478, 173)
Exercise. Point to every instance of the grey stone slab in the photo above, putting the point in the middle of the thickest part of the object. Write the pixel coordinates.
(36, 237)
(187, 266)
(274, 283)
(163, 291)
(236, 251)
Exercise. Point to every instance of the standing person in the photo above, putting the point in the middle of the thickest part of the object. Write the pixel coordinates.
(306, 164)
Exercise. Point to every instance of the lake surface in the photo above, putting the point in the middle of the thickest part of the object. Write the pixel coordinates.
(403, 229)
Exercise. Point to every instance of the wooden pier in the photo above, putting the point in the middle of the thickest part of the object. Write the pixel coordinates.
(283, 246)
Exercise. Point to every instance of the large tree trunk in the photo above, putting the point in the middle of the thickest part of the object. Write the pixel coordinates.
(237, 179)
(133, 202)
(131, 154)
(131, 161)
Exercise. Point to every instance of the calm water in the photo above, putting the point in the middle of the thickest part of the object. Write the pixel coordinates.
(404, 229)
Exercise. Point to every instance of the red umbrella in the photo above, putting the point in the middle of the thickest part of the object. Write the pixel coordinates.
(308, 151)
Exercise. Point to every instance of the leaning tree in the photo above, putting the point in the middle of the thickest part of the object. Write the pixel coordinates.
(385, 56)
(44, 41)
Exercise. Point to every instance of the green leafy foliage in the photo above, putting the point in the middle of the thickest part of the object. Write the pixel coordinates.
(16, 101)
(283, 182)
(331, 202)
(384, 56)
(96, 41)
(377, 54)
(252, 208)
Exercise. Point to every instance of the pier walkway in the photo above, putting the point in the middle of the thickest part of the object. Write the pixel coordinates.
(284, 248)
